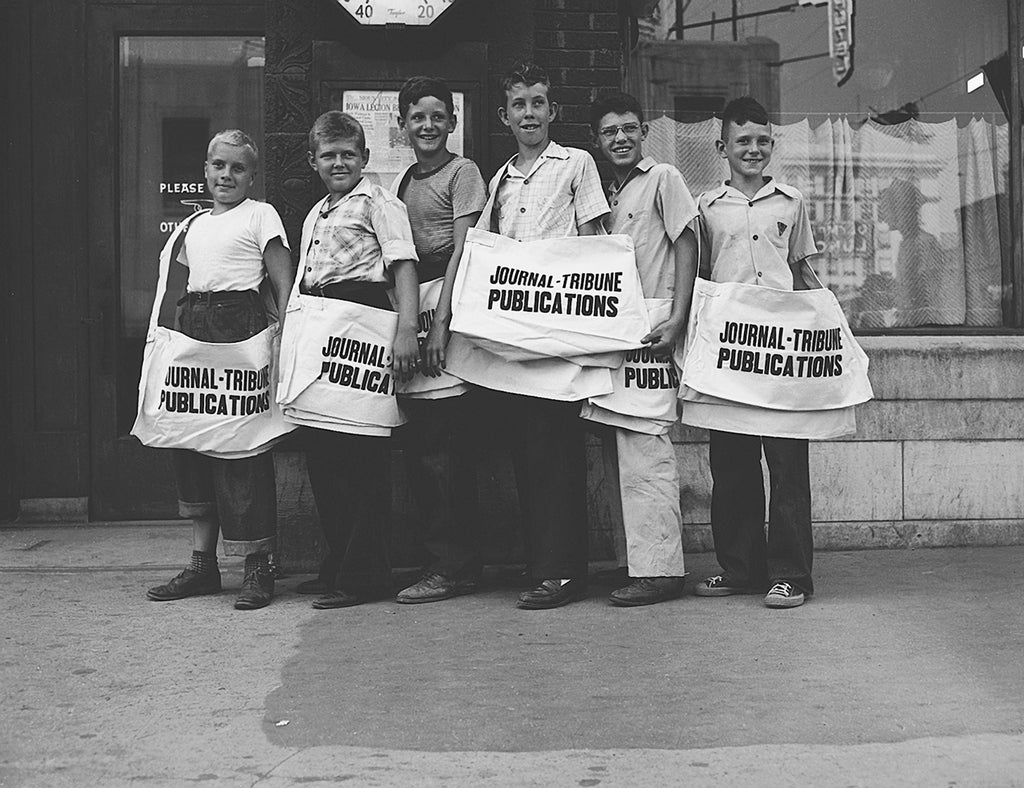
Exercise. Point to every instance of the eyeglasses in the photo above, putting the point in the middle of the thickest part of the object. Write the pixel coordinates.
(611, 132)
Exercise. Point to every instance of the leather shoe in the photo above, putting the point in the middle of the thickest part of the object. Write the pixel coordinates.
(257, 589)
(551, 593)
(647, 591)
(335, 599)
(433, 587)
(188, 583)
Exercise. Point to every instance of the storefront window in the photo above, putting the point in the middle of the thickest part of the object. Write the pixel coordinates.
(175, 93)
(905, 165)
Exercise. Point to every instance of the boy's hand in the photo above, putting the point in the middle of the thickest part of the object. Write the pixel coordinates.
(663, 337)
(406, 353)
(435, 348)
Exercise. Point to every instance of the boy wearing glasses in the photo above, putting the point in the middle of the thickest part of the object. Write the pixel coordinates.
(650, 203)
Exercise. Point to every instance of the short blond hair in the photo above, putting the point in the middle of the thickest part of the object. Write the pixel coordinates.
(236, 138)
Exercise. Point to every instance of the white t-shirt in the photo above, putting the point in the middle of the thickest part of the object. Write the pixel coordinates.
(225, 251)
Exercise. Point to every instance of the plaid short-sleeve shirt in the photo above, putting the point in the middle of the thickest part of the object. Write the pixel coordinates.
(356, 239)
(561, 192)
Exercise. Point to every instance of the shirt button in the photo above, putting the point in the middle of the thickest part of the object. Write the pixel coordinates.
(755, 237)
(324, 215)
(759, 274)
(317, 243)
(526, 182)
(310, 268)
(615, 203)
(522, 210)
(750, 205)
(629, 215)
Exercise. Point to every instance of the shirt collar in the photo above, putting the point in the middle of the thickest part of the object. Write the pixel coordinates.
(644, 165)
(770, 187)
(360, 189)
(552, 151)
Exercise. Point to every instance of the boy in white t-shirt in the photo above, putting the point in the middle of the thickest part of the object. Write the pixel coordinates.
(229, 252)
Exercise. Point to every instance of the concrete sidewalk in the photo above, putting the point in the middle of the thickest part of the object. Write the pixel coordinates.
(907, 668)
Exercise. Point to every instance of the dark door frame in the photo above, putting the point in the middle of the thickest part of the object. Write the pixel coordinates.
(127, 480)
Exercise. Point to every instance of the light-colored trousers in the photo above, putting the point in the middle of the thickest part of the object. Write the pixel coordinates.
(644, 478)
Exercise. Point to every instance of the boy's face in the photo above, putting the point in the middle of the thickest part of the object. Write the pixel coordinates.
(230, 171)
(620, 139)
(428, 124)
(528, 113)
(339, 163)
(747, 148)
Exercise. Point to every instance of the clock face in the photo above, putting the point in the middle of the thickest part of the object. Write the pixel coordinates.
(395, 12)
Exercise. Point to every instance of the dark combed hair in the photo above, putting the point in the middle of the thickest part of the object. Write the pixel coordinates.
(744, 109)
(335, 125)
(416, 88)
(525, 73)
(619, 103)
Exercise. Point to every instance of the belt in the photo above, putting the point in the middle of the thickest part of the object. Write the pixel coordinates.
(373, 294)
(219, 297)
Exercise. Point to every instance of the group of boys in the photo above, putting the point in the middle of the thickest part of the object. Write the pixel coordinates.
(362, 242)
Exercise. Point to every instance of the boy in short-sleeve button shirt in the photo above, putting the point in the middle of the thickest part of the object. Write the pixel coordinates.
(757, 231)
(651, 204)
(545, 191)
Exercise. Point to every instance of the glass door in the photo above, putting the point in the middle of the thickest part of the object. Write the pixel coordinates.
(167, 94)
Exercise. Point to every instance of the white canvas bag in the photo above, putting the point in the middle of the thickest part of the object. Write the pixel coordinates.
(547, 378)
(644, 388)
(424, 386)
(211, 397)
(336, 365)
(774, 349)
(558, 298)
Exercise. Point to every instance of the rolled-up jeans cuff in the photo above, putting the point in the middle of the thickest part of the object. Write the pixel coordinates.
(249, 547)
(196, 509)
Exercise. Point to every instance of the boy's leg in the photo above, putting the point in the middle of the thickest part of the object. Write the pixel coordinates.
(349, 476)
(652, 518)
(193, 474)
(247, 499)
(737, 509)
(790, 540)
(613, 491)
(550, 464)
(440, 479)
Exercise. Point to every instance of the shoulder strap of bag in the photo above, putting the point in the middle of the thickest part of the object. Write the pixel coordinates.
(168, 254)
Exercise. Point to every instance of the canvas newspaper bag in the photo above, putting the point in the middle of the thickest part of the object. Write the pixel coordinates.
(214, 398)
(775, 349)
(335, 368)
(575, 298)
(645, 389)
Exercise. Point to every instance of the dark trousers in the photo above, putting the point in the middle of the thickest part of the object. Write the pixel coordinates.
(242, 492)
(547, 443)
(350, 479)
(441, 469)
(737, 510)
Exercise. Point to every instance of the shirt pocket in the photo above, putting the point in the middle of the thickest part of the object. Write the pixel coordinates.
(778, 230)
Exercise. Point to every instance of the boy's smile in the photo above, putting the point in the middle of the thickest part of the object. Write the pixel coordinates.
(339, 163)
(230, 171)
(528, 113)
(747, 148)
(620, 139)
(428, 124)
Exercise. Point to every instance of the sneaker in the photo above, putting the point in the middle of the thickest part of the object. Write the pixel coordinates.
(188, 583)
(784, 594)
(433, 587)
(719, 585)
(257, 589)
(647, 591)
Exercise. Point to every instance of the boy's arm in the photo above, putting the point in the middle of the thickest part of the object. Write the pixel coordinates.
(407, 293)
(280, 273)
(664, 336)
(803, 276)
(437, 338)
